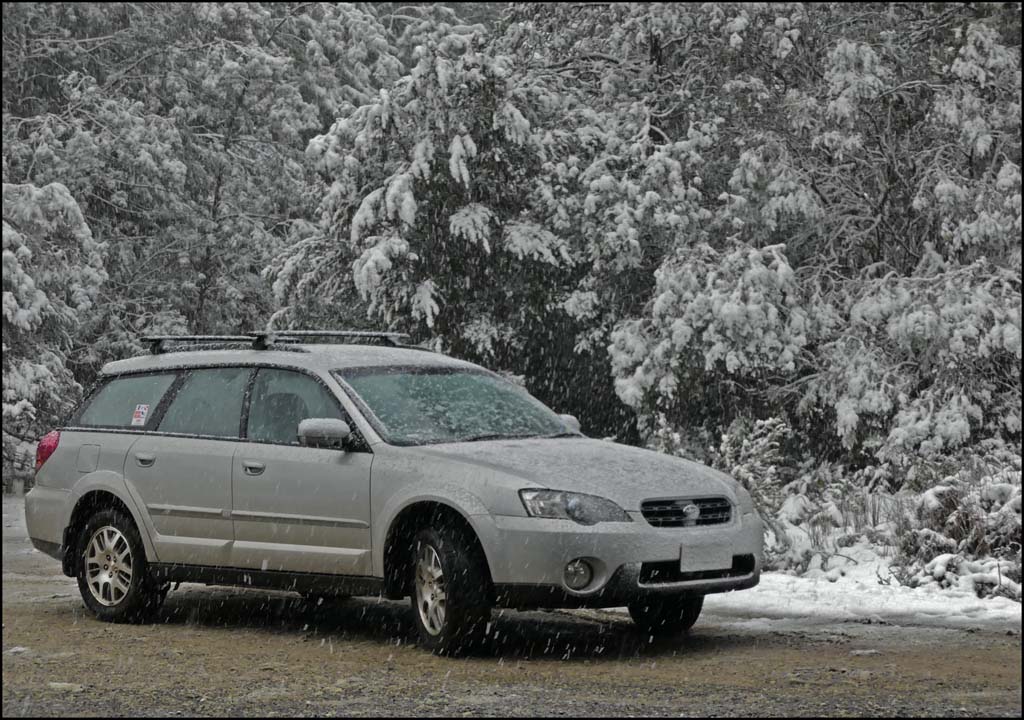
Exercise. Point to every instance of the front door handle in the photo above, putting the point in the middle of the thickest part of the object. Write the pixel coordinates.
(145, 459)
(253, 468)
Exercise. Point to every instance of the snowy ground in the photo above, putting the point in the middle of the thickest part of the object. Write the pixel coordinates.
(853, 593)
(857, 595)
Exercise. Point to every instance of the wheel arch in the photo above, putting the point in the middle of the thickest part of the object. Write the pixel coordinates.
(414, 515)
(89, 500)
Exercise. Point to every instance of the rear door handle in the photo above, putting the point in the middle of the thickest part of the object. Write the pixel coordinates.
(145, 459)
(253, 468)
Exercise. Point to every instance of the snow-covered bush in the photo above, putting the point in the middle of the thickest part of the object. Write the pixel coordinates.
(692, 443)
(52, 272)
(988, 576)
(968, 534)
(752, 453)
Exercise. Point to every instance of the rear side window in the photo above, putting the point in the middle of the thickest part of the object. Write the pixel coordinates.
(208, 403)
(126, 401)
(281, 399)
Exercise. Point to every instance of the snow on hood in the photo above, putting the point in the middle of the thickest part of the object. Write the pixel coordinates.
(622, 473)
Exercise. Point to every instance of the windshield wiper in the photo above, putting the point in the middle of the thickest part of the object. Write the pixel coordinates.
(493, 436)
(486, 436)
(502, 436)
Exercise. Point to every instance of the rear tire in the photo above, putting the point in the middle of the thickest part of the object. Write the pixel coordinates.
(449, 591)
(113, 575)
(666, 616)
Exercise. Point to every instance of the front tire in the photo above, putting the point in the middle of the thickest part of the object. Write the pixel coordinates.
(666, 616)
(450, 603)
(113, 575)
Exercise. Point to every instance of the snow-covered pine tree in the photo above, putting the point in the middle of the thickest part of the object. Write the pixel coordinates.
(52, 273)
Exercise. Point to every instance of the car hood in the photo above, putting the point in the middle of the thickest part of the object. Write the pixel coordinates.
(624, 474)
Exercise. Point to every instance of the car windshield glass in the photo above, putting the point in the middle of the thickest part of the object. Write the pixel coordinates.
(419, 406)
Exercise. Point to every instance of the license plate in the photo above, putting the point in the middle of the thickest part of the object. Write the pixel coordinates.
(697, 556)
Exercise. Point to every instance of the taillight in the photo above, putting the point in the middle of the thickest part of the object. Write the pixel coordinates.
(47, 444)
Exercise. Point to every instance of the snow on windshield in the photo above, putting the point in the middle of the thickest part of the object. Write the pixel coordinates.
(416, 406)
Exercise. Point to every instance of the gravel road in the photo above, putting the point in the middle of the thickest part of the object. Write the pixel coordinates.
(221, 651)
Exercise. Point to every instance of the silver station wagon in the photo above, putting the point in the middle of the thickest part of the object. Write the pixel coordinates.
(342, 463)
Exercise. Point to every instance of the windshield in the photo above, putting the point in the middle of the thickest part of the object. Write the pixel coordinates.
(419, 406)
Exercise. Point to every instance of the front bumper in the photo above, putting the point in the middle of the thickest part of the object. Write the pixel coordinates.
(622, 589)
(528, 556)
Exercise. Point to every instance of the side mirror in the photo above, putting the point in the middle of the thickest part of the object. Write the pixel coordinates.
(324, 433)
(571, 422)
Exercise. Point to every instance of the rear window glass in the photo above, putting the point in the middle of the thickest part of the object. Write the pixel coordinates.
(208, 403)
(126, 401)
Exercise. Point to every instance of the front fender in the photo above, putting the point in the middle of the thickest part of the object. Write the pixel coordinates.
(464, 502)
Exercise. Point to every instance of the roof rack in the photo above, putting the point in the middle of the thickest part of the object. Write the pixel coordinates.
(268, 340)
(156, 342)
(264, 340)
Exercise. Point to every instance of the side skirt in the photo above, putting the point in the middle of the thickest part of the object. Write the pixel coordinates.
(273, 579)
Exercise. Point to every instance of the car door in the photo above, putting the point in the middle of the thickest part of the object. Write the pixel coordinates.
(299, 509)
(183, 471)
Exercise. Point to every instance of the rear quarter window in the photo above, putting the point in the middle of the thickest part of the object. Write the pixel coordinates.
(126, 402)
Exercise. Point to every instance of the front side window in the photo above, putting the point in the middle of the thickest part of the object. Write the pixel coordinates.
(419, 406)
(208, 403)
(281, 399)
(126, 402)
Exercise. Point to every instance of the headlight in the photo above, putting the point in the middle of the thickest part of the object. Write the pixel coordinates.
(584, 509)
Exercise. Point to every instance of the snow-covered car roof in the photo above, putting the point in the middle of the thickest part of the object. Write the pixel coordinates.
(312, 357)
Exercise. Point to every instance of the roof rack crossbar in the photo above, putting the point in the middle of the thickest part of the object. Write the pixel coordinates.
(156, 342)
(266, 340)
(337, 333)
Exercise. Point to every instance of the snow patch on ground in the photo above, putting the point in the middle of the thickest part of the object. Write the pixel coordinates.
(864, 600)
(851, 592)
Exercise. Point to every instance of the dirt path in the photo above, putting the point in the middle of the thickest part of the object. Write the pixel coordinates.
(219, 651)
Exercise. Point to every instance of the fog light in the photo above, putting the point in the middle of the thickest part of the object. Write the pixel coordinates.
(578, 574)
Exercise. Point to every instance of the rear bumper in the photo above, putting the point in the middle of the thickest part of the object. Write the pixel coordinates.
(631, 561)
(46, 511)
(54, 550)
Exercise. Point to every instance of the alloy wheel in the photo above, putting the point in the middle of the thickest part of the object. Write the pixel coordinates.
(108, 566)
(430, 590)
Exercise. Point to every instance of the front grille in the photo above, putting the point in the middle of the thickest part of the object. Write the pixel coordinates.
(654, 573)
(669, 513)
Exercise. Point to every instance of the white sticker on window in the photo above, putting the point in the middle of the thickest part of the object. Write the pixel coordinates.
(140, 414)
